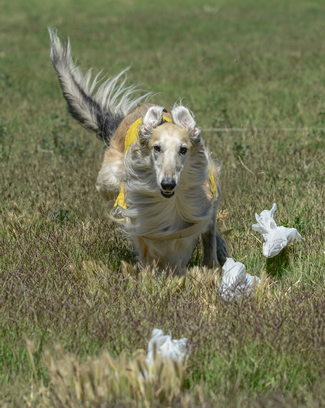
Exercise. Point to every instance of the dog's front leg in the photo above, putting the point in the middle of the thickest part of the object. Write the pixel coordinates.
(210, 244)
(222, 252)
(214, 247)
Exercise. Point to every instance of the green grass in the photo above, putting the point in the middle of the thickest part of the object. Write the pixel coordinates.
(236, 64)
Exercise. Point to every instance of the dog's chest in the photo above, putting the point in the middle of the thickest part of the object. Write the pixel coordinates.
(174, 253)
(165, 215)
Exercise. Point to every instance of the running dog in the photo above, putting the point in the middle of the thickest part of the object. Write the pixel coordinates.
(157, 171)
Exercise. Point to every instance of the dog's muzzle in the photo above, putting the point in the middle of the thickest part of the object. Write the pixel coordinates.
(168, 188)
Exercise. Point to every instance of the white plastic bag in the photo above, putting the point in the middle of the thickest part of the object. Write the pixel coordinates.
(166, 347)
(235, 281)
(276, 238)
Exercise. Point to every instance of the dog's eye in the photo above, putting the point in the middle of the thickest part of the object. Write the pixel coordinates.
(183, 150)
(156, 149)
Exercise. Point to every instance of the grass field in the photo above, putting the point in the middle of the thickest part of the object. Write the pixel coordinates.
(69, 297)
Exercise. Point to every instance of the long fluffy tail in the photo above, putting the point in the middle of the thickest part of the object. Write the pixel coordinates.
(99, 109)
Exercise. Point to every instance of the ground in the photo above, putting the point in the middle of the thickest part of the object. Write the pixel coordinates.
(253, 70)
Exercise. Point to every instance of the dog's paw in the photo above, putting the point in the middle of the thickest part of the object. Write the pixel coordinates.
(222, 252)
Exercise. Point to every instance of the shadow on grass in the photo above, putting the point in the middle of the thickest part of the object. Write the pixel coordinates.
(277, 266)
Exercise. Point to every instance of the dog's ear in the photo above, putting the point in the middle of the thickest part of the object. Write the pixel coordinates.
(152, 119)
(184, 118)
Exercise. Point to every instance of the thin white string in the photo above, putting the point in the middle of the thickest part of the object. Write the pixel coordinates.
(302, 129)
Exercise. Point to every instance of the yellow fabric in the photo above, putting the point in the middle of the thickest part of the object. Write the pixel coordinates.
(213, 187)
(131, 137)
(120, 199)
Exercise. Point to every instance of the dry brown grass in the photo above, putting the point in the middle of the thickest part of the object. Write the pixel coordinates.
(67, 275)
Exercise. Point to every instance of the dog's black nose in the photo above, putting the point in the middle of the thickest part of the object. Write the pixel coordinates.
(168, 184)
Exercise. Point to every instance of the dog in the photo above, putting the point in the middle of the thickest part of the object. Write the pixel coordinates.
(157, 171)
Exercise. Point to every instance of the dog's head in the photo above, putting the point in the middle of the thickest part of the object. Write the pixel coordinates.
(169, 143)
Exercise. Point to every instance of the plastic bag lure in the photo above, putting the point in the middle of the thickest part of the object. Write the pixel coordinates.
(166, 347)
(235, 281)
(276, 238)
